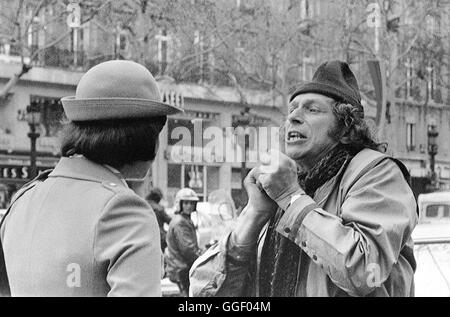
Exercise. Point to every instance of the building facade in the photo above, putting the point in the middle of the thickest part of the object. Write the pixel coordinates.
(418, 98)
(211, 114)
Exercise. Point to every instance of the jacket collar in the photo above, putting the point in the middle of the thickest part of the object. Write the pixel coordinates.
(348, 172)
(323, 192)
(81, 168)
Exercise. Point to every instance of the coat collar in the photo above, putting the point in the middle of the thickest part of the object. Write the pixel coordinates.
(81, 168)
(349, 170)
(323, 192)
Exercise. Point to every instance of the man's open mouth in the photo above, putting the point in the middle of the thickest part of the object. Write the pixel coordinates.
(295, 136)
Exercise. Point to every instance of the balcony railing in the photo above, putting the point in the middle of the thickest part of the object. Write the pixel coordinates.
(59, 57)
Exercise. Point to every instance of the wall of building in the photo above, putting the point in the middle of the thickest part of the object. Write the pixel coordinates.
(57, 83)
(417, 159)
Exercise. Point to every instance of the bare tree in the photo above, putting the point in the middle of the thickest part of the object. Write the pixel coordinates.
(407, 42)
(25, 19)
(258, 45)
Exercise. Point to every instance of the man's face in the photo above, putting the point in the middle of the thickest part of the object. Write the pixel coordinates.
(188, 206)
(308, 126)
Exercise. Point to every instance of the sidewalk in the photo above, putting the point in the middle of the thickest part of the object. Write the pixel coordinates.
(169, 289)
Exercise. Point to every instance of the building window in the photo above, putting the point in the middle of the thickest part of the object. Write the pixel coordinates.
(122, 44)
(409, 76)
(204, 58)
(213, 173)
(163, 48)
(236, 178)
(33, 35)
(304, 9)
(193, 178)
(410, 136)
(307, 68)
(52, 114)
(186, 175)
(431, 81)
(246, 6)
(174, 175)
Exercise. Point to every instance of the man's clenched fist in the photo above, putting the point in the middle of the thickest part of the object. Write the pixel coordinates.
(278, 177)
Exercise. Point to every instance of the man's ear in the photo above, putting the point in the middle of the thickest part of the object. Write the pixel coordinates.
(345, 138)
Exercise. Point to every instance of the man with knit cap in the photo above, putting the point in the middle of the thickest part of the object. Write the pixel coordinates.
(331, 216)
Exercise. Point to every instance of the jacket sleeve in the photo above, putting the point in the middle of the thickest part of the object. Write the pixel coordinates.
(221, 272)
(358, 249)
(166, 217)
(128, 244)
(186, 237)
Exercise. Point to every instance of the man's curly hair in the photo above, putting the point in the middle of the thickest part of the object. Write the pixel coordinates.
(352, 130)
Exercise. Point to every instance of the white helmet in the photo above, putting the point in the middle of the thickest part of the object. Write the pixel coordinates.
(184, 194)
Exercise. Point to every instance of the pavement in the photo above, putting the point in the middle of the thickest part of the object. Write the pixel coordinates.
(169, 289)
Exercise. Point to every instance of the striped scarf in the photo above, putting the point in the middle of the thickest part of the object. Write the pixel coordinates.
(280, 256)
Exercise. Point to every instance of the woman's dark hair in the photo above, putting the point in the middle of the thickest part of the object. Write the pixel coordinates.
(354, 128)
(113, 142)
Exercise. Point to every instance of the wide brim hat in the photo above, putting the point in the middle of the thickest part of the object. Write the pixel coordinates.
(116, 89)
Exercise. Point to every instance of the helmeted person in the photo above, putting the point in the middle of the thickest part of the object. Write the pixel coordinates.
(331, 216)
(79, 230)
(182, 245)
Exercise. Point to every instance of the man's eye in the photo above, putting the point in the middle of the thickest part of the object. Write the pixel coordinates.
(314, 109)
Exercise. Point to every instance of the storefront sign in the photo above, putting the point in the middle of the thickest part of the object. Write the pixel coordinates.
(17, 172)
(194, 154)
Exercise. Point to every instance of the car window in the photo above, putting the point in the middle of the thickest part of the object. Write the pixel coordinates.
(446, 213)
(435, 211)
(432, 211)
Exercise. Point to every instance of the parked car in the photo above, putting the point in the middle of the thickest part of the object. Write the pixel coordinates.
(432, 245)
(2, 213)
(434, 207)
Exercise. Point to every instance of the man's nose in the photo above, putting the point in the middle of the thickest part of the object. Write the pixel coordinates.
(296, 116)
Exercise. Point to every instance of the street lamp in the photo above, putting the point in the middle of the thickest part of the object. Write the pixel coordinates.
(34, 120)
(432, 151)
(244, 121)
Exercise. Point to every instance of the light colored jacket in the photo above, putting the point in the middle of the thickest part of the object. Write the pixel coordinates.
(354, 237)
(82, 232)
